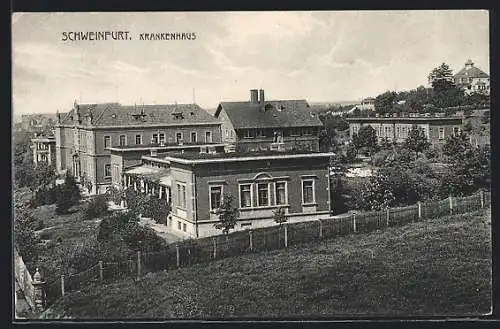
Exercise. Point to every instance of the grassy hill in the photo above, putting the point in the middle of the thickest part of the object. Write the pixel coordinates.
(439, 267)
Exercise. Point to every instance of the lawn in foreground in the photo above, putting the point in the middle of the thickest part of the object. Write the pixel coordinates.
(439, 267)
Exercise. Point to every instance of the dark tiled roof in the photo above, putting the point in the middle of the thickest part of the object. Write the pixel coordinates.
(115, 114)
(473, 72)
(282, 113)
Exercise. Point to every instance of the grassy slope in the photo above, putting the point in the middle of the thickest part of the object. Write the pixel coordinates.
(63, 233)
(428, 268)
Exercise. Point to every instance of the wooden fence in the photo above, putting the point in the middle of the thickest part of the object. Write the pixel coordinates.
(209, 249)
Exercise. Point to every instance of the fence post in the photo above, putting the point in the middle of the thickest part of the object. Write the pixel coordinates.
(250, 236)
(101, 274)
(62, 284)
(138, 263)
(215, 248)
(451, 205)
(178, 256)
(388, 214)
(419, 210)
(286, 236)
(354, 222)
(38, 291)
(482, 198)
(320, 228)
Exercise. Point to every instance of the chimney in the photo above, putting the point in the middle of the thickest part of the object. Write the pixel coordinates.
(469, 64)
(254, 96)
(261, 96)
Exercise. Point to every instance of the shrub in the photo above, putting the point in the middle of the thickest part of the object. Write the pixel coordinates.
(67, 195)
(96, 208)
(159, 210)
(124, 227)
(114, 194)
(431, 153)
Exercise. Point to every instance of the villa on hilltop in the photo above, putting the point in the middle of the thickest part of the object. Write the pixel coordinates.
(472, 79)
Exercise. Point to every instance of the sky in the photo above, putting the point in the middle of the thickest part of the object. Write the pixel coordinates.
(318, 56)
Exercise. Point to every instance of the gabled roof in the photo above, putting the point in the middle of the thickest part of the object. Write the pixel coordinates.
(115, 114)
(278, 113)
(472, 72)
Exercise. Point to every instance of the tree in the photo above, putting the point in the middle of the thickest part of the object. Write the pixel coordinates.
(337, 172)
(350, 153)
(136, 201)
(365, 138)
(468, 171)
(377, 193)
(445, 92)
(96, 208)
(160, 209)
(417, 141)
(441, 77)
(456, 144)
(228, 215)
(384, 103)
(25, 238)
(280, 217)
(67, 195)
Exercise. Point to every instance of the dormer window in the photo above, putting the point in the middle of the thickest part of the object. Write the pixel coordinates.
(178, 115)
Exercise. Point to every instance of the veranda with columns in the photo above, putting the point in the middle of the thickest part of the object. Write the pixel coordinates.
(155, 184)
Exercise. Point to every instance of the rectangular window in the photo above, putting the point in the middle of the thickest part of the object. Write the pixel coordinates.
(281, 193)
(307, 191)
(154, 140)
(263, 194)
(227, 133)
(193, 137)
(107, 141)
(294, 132)
(441, 132)
(107, 170)
(456, 131)
(215, 197)
(245, 195)
(178, 137)
(123, 140)
(184, 227)
(162, 137)
(307, 131)
(208, 137)
(260, 133)
(181, 195)
(248, 133)
(138, 139)
(178, 225)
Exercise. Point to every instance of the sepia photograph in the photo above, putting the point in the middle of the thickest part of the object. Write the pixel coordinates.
(260, 165)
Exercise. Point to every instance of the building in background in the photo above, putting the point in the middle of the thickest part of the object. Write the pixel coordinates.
(38, 123)
(85, 135)
(44, 149)
(397, 129)
(195, 184)
(259, 125)
(367, 104)
(472, 79)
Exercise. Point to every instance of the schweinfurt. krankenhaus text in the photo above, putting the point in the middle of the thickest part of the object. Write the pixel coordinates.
(125, 35)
